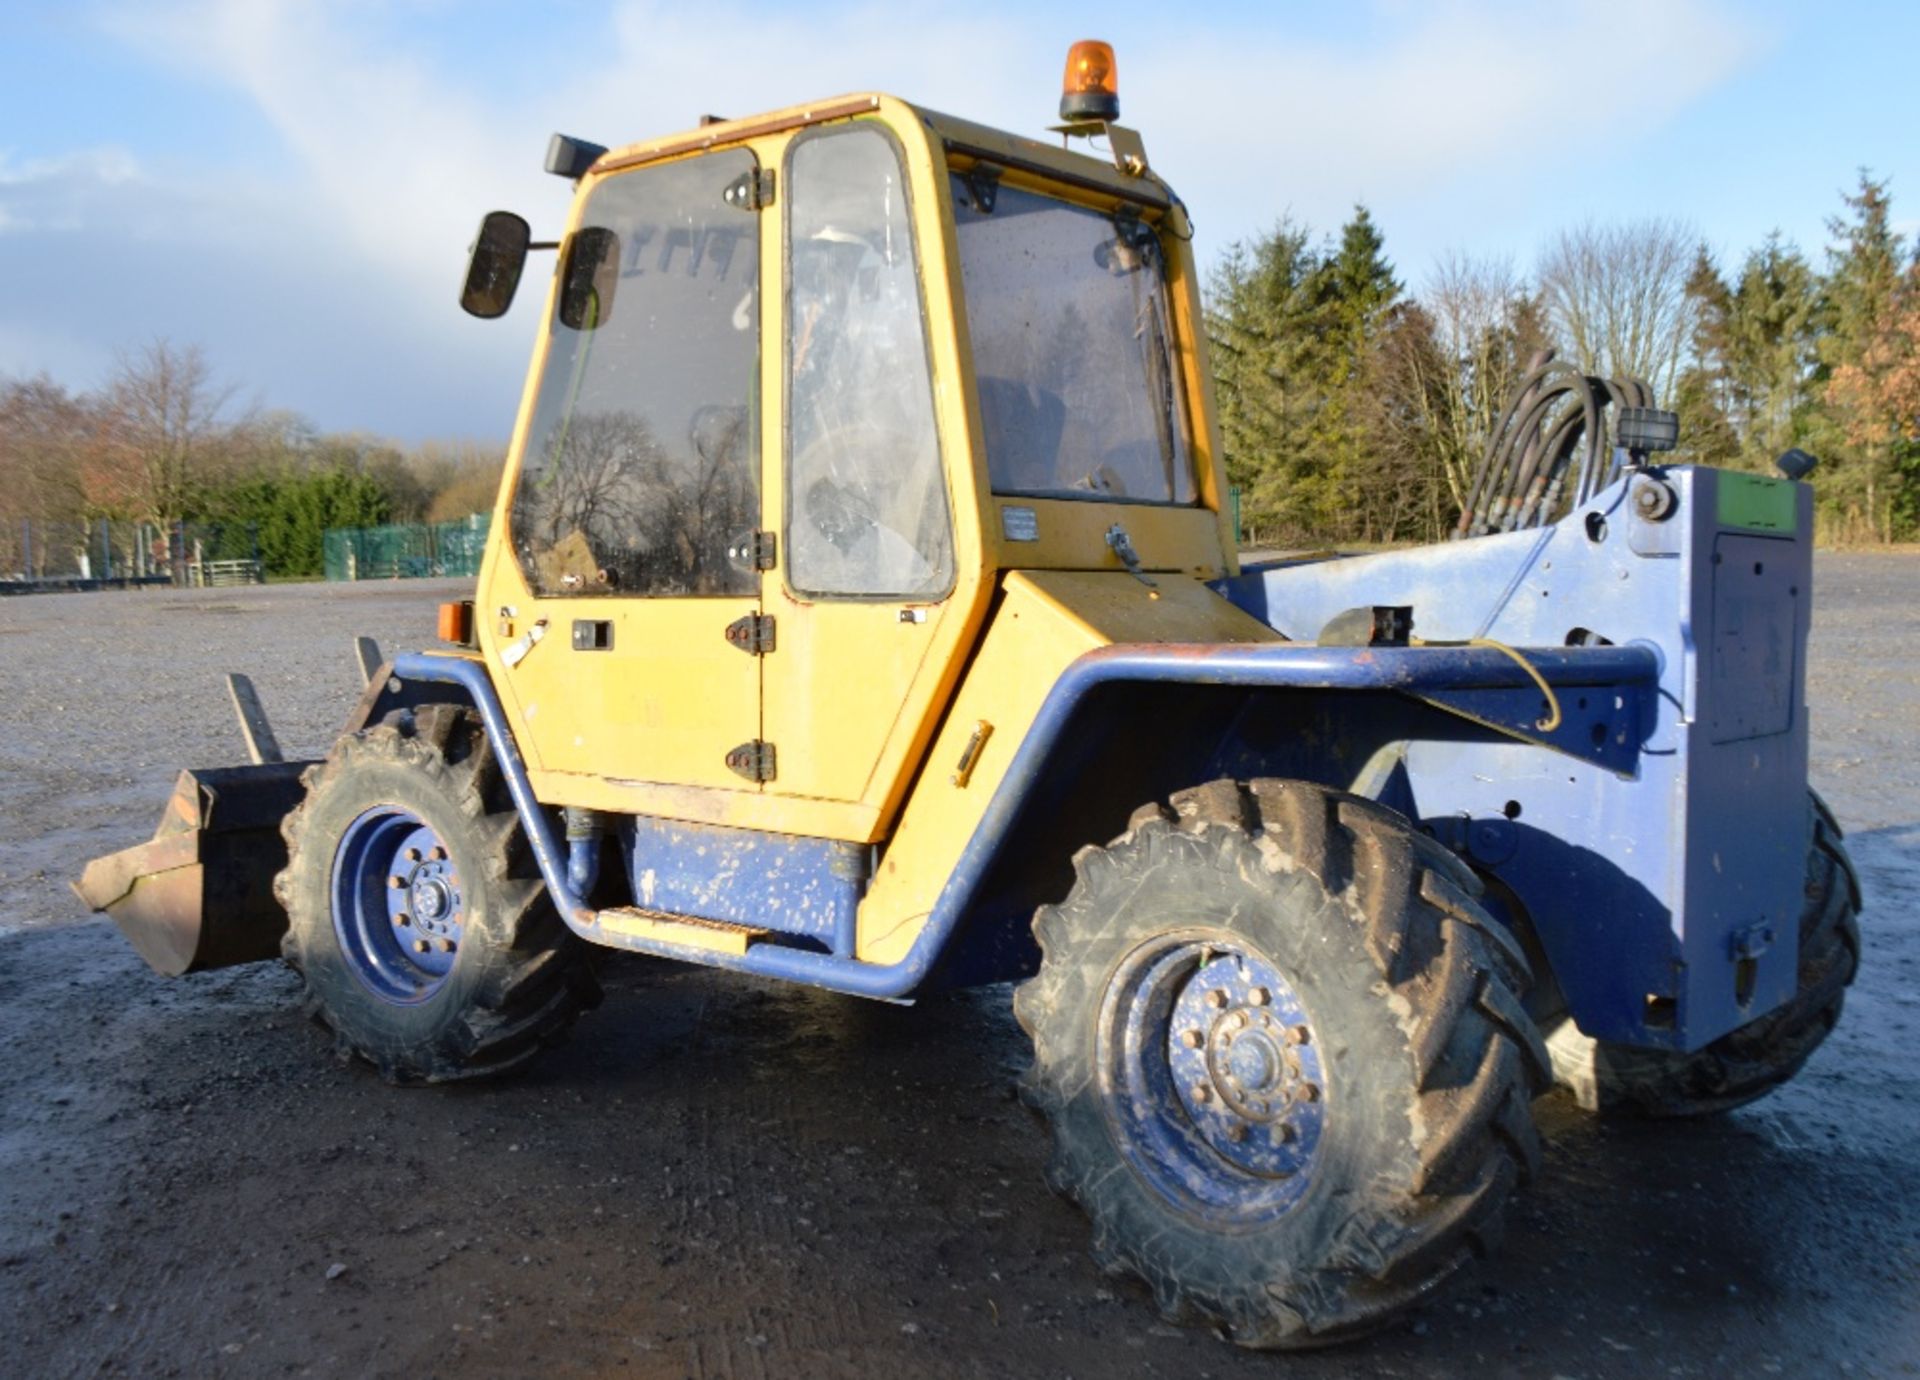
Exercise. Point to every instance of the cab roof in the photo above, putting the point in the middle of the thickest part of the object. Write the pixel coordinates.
(958, 136)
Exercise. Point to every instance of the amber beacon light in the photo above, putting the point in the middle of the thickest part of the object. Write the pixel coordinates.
(1090, 90)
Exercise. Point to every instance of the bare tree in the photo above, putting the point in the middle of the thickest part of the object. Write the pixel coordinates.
(1487, 325)
(44, 435)
(165, 413)
(1616, 297)
(463, 477)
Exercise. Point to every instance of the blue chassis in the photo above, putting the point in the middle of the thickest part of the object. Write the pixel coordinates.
(1655, 841)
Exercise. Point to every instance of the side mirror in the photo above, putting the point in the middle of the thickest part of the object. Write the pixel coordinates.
(588, 278)
(494, 265)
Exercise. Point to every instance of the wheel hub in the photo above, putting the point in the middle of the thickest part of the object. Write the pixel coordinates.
(1248, 1069)
(432, 897)
(1244, 1066)
(398, 903)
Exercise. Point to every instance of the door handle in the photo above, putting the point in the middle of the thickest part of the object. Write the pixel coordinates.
(592, 635)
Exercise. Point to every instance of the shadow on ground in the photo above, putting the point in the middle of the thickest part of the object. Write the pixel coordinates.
(716, 1178)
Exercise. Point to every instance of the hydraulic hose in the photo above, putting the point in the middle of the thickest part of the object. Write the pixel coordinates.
(1548, 450)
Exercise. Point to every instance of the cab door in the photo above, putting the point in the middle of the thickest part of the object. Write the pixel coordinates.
(637, 498)
(867, 559)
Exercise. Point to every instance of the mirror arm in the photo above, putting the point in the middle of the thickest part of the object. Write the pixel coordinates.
(542, 244)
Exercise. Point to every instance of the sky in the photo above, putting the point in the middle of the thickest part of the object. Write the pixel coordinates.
(293, 186)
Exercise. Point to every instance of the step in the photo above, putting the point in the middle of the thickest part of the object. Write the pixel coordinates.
(686, 931)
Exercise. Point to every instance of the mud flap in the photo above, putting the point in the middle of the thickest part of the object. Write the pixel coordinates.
(199, 894)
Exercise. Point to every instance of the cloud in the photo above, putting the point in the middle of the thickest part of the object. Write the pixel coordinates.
(55, 193)
(98, 253)
(394, 152)
(1484, 102)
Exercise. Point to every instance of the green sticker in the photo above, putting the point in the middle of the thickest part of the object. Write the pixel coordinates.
(1757, 503)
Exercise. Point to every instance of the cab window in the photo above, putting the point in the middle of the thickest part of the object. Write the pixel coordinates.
(866, 501)
(1080, 396)
(640, 471)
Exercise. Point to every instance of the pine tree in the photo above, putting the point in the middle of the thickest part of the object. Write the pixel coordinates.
(1259, 325)
(1744, 393)
(1355, 292)
(1702, 393)
(1857, 311)
(1293, 327)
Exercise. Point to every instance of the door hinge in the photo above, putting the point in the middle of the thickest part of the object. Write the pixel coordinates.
(754, 551)
(752, 634)
(751, 191)
(752, 760)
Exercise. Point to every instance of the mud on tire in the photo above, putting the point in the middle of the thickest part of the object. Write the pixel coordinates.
(1406, 1156)
(1615, 1080)
(515, 979)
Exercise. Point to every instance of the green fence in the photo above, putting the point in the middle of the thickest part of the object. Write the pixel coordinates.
(407, 550)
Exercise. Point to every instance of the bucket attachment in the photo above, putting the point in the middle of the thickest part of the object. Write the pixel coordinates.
(199, 895)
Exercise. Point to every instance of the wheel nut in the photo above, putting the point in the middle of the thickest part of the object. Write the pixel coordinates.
(1236, 1133)
(1202, 1093)
(412, 855)
(1298, 1035)
(397, 882)
(1192, 1039)
(438, 854)
(1217, 998)
(446, 946)
(420, 946)
(1259, 996)
(403, 919)
(1307, 1092)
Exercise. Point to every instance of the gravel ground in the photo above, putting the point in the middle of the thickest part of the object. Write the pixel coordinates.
(724, 1178)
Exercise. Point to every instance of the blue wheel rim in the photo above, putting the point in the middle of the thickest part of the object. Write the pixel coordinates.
(399, 905)
(1212, 1078)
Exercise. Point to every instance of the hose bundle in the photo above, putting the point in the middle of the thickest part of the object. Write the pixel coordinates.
(1552, 436)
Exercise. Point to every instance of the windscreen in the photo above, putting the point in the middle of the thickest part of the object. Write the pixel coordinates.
(1072, 348)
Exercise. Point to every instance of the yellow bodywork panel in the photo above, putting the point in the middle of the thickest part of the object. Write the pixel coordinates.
(665, 702)
(1070, 535)
(838, 693)
(1045, 621)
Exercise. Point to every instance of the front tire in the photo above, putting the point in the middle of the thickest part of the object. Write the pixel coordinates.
(416, 915)
(1284, 1060)
(1748, 1063)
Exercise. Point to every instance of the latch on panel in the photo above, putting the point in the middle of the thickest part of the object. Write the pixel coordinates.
(970, 754)
(592, 635)
(1122, 545)
(752, 634)
(516, 652)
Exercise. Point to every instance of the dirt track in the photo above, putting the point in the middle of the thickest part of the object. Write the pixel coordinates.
(724, 1178)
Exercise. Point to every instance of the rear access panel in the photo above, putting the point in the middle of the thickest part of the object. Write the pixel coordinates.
(1756, 589)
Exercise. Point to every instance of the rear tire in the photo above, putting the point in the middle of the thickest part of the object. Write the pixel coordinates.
(1744, 1064)
(416, 914)
(1283, 1056)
